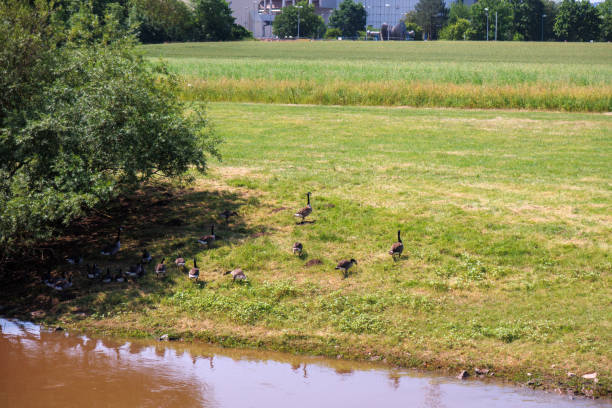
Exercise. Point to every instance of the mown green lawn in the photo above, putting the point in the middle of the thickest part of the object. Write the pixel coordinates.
(506, 220)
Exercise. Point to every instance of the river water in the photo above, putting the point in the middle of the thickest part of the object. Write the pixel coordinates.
(43, 368)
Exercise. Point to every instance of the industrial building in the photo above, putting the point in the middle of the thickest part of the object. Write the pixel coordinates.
(257, 15)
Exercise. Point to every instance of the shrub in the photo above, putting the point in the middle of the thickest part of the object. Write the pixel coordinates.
(333, 33)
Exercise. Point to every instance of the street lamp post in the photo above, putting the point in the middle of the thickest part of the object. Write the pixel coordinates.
(298, 7)
(496, 26)
(387, 5)
(487, 11)
(543, 15)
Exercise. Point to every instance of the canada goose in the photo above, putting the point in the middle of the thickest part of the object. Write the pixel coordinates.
(194, 273)
(297, 248)
(306, 211)
(132, 271)
(146, 256)
(107, 278)
(345, 265)
(75, 259)
(179, 262)
(94, 272)
(227, 214)
(140, 270)
(397, 248)
(112, 249)
(237, 274)
(119, 277)
(63, 283)
(48, 279)
(208, 239)
(160, 269)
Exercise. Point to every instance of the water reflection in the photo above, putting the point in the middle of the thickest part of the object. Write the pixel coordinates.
(56, 369)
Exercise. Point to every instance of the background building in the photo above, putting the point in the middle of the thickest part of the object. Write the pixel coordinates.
(257, 15)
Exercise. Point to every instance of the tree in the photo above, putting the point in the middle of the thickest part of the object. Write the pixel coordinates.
(162, 20)
(83, 118)
(430, 15)
(527, 18)
(605, 11)
(456, 31)
(479, 20)
(285, 24)
(349, 17)
(213, 20)
(577, 21)
(458, 10)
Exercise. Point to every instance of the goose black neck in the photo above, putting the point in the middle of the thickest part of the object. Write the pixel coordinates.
(163, 259)
(308, 198)
(195, 265)
(212, 229)
(398, 236)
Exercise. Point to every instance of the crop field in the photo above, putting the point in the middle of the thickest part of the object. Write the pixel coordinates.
(506, 218)
(536, 76)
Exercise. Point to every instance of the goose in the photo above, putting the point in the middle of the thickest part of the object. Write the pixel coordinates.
(345, 265)
(237, 274)
(140, 270)
(297, 248)
(112, 249)
(94, 272)
(63, 283)
(208, 239)
(160, 269)
(227, 214)
(48, 279)
(397, 248)
(119, 277)
(194, 273)
(306, 211)
(133, 271)
(107, 278)
(146, 256)
(75, 259)
(179, 262)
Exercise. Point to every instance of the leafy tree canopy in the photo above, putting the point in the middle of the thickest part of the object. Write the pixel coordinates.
(431, 15)
(577, 21)
(504, 20)
(605, 11)
(458, 10)
(213, 20)
(349, 17)
(286, 23)
(83, 118)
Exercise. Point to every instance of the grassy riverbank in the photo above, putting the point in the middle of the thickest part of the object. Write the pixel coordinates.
(540, 76)
(506, 220)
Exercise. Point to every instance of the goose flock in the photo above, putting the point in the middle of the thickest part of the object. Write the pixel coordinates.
(138, 270)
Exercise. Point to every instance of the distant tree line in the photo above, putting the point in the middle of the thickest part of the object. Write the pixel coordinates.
(157, 21)
(518, 20)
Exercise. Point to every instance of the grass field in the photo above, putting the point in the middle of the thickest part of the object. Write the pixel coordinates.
(506, 219)
(544, 76)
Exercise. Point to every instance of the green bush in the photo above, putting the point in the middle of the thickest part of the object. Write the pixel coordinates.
(455, 31)
(83, 118)
(333, 33)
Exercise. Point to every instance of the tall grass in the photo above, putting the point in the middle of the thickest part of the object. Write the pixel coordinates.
(567, 77)
(400, 93)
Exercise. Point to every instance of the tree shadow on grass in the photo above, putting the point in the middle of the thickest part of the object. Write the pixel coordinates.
(164, 220)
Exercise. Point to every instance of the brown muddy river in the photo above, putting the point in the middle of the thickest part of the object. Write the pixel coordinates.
(41, 368)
